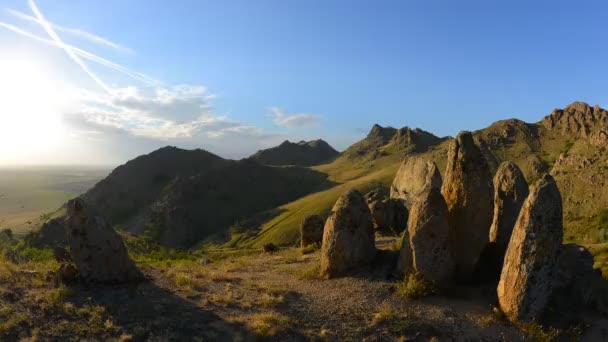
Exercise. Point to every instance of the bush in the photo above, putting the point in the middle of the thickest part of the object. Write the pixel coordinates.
(413, 287)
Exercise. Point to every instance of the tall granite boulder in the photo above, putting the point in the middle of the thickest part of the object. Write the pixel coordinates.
(97, 250)
(467, 189)
(531, 262)
(430, 238)
(311, 230)
(414, 177)
(348, 236)
(510, 192)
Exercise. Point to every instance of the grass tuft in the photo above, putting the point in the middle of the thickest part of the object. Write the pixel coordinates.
(413, 287)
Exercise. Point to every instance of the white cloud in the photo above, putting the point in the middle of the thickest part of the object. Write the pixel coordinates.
(123, 121)
(74, 32)
(283, 119)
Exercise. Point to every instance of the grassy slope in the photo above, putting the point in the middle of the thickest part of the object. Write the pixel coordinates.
(582, 198)
(359, 174)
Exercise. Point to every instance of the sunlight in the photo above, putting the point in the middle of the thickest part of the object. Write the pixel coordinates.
(30, 106)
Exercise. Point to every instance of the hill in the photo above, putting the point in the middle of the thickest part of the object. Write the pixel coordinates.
(303, 153)
(570, 143)
(178, 197)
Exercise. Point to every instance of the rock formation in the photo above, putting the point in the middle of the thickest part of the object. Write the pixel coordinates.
(531, 261)
(467, 189)
(510, 192)
(430, 238)
(578, 119)
(414, 177)
(348, 236)
(98, 252)
(387, 213)
(311, 230)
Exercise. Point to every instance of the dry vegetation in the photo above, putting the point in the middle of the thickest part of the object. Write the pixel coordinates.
(274, 296)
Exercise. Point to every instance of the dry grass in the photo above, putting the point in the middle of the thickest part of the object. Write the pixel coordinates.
(384, 313)
(413, 287)
(270, 323)
(269, 301)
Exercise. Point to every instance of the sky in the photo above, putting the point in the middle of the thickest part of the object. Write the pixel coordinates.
(99, 82)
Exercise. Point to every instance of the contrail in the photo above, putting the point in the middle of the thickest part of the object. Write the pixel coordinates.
(68, 49)
(85, 54)
(73, 31)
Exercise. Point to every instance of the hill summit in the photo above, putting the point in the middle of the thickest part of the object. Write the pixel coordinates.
(303, 153)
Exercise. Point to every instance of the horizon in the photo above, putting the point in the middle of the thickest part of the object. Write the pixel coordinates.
(94, 83)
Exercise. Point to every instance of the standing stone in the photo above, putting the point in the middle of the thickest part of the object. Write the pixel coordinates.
(414, 177)
(510, 192)
(405, 263)
(387, 213)
(430, 237)
(531, 261)
(98, 252)
(311, 230)
(467, 189)
(348, 236)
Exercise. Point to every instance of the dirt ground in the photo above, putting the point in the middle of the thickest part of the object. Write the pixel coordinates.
(264, 296)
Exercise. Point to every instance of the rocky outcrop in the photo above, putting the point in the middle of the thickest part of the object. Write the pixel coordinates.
(414, 140)
(578, 119)
(467, 189)
(599, 138)
(311, 230)
(51, 233)
(348, 236)
(430, 238)
(387, 213)
(98, 252)
(531, 261)
(414, 177)
(510, 192)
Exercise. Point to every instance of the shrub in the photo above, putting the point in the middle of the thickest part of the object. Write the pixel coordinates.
(413, 287)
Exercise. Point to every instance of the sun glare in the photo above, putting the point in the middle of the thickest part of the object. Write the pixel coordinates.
(30, 105)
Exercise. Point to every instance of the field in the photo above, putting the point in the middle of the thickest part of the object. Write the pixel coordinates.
(26, 193)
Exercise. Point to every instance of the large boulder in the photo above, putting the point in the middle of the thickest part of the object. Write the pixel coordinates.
(414, 177)
(97, 250)
(467, 189)
(348, 236)
(430, 238)
(311, 230)
(510, 192)
(387, 213)
(531, 261)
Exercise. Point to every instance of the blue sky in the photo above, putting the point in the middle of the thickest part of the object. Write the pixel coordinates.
(259, 72)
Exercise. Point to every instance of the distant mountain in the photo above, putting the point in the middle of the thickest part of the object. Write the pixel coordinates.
(136, 184)
(388, 139)
(303, 153)
(179, 197)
